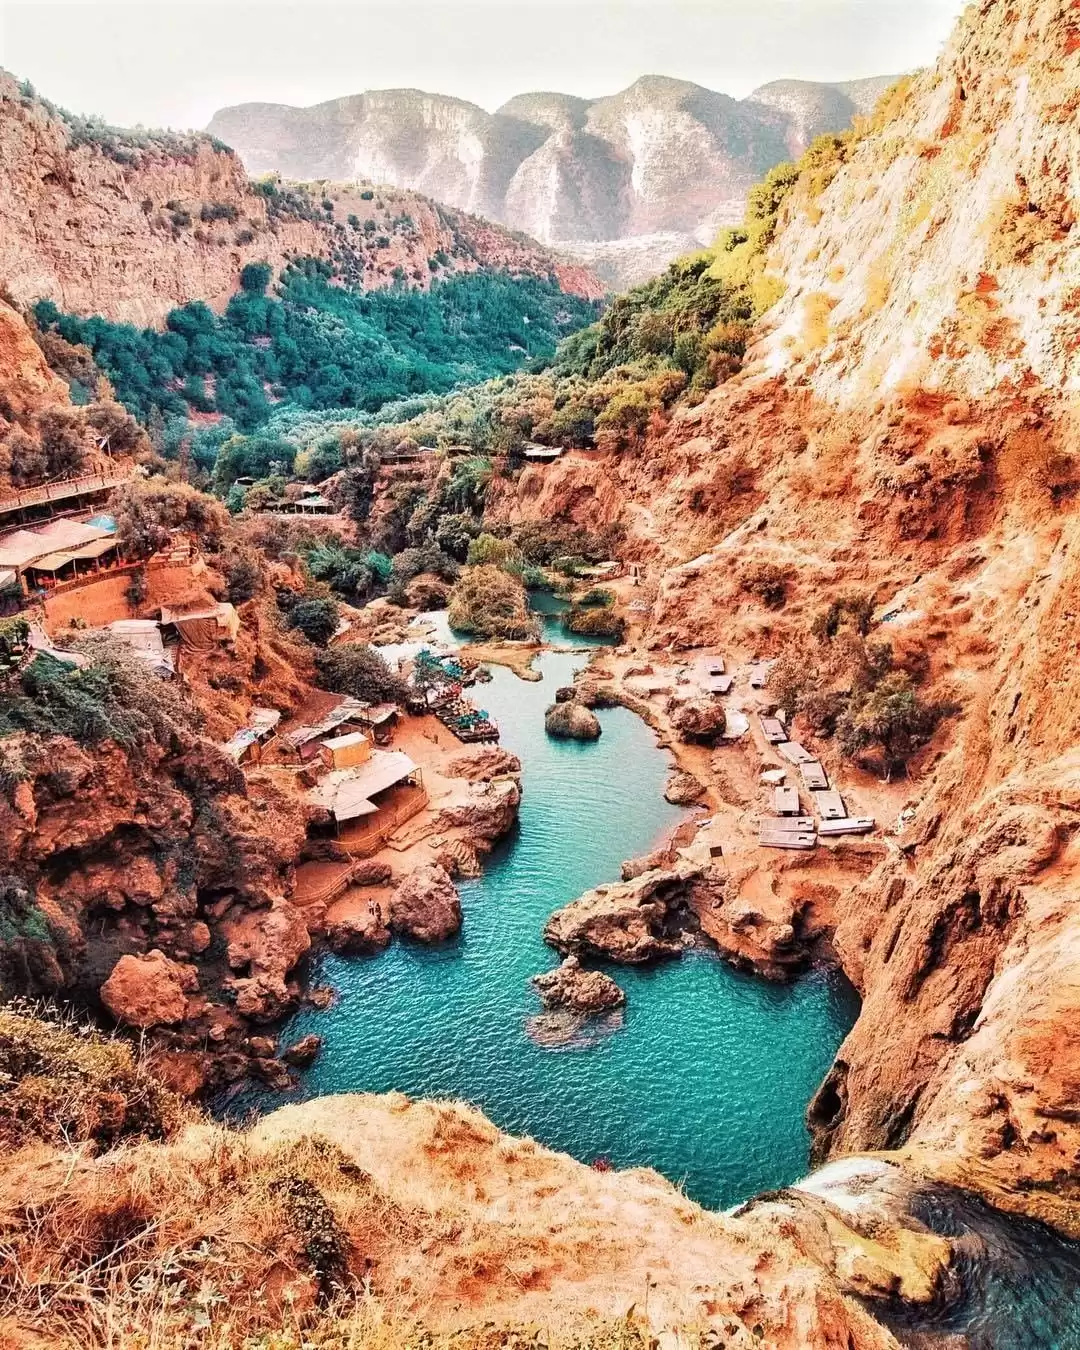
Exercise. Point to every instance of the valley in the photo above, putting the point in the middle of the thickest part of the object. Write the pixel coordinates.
(373, 644)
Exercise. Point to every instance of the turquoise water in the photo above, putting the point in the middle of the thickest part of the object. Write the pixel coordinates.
(708, 1075)
(551, 608)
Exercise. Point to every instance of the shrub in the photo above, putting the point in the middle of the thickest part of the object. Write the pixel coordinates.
(767, 581)
(411, 562)
(114, 697)
(455, 533)
(255, 277)
(491, 603)
(601, 623)
(853, 610)
(243, 575)
(598, 595)
(487, 548)
(316, 617)
(360, 672)
(69, 1084)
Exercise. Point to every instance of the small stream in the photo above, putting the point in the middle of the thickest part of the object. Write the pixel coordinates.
(707, 1072)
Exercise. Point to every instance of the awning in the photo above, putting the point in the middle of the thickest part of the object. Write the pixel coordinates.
(22, 548)
(97, 549)
(53, 562)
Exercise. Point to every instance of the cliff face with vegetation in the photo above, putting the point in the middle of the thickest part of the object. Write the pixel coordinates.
(904, 429)
(655, 167)
(129, 225)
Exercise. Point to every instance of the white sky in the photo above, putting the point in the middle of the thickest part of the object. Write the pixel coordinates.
(173, 64)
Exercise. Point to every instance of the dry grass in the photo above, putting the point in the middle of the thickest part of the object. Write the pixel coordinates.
(242, 1247)
(62, 1081)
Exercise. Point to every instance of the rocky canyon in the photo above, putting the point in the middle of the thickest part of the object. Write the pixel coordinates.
(855, 481)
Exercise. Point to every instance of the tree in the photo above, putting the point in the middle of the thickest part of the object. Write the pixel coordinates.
(25, 457)
(492, 604)
(316, 617)
(891, 716)
(147, 510)
(360, 672)
(243, 575)
(63, 440)
(116, 429)
(255, 277)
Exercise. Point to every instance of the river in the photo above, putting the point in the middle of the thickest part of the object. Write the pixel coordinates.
(705, 1075)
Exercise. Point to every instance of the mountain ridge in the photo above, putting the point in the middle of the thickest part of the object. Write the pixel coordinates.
(663, 156)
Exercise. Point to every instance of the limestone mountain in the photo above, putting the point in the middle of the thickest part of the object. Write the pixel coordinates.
(645, 171)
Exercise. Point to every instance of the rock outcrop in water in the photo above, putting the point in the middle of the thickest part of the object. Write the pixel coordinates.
(425, 905)
(632, 922)
(571, 721)
(583, 991)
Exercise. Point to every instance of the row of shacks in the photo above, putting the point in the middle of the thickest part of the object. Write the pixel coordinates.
(353, 779)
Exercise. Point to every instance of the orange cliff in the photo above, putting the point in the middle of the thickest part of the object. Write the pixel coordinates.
(129, 227)
(906, 427)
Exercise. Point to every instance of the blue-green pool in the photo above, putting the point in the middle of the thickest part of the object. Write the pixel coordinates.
(707, 1078)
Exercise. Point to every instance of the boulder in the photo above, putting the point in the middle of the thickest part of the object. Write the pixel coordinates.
(426, 905)
(149, 991)
(303, 1053)
(648, 862)
(572, 721)
(683, 788)
(488, 813)
(700, 721)
(584, 991)
(371, 872)
(631, 922)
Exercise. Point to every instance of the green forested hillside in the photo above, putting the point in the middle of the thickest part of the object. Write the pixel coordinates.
(316, 345)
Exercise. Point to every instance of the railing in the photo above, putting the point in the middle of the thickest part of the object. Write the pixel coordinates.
(371, 843)
(53, 492)
(332, 889)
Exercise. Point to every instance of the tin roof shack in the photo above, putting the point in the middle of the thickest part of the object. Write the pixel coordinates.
(346, 752)
(143, 637)
(205, 628)
(247, 745)
(541, 454)
(348, 794)
(303, 743)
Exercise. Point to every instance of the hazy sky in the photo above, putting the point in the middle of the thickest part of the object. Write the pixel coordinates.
(175, 63)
